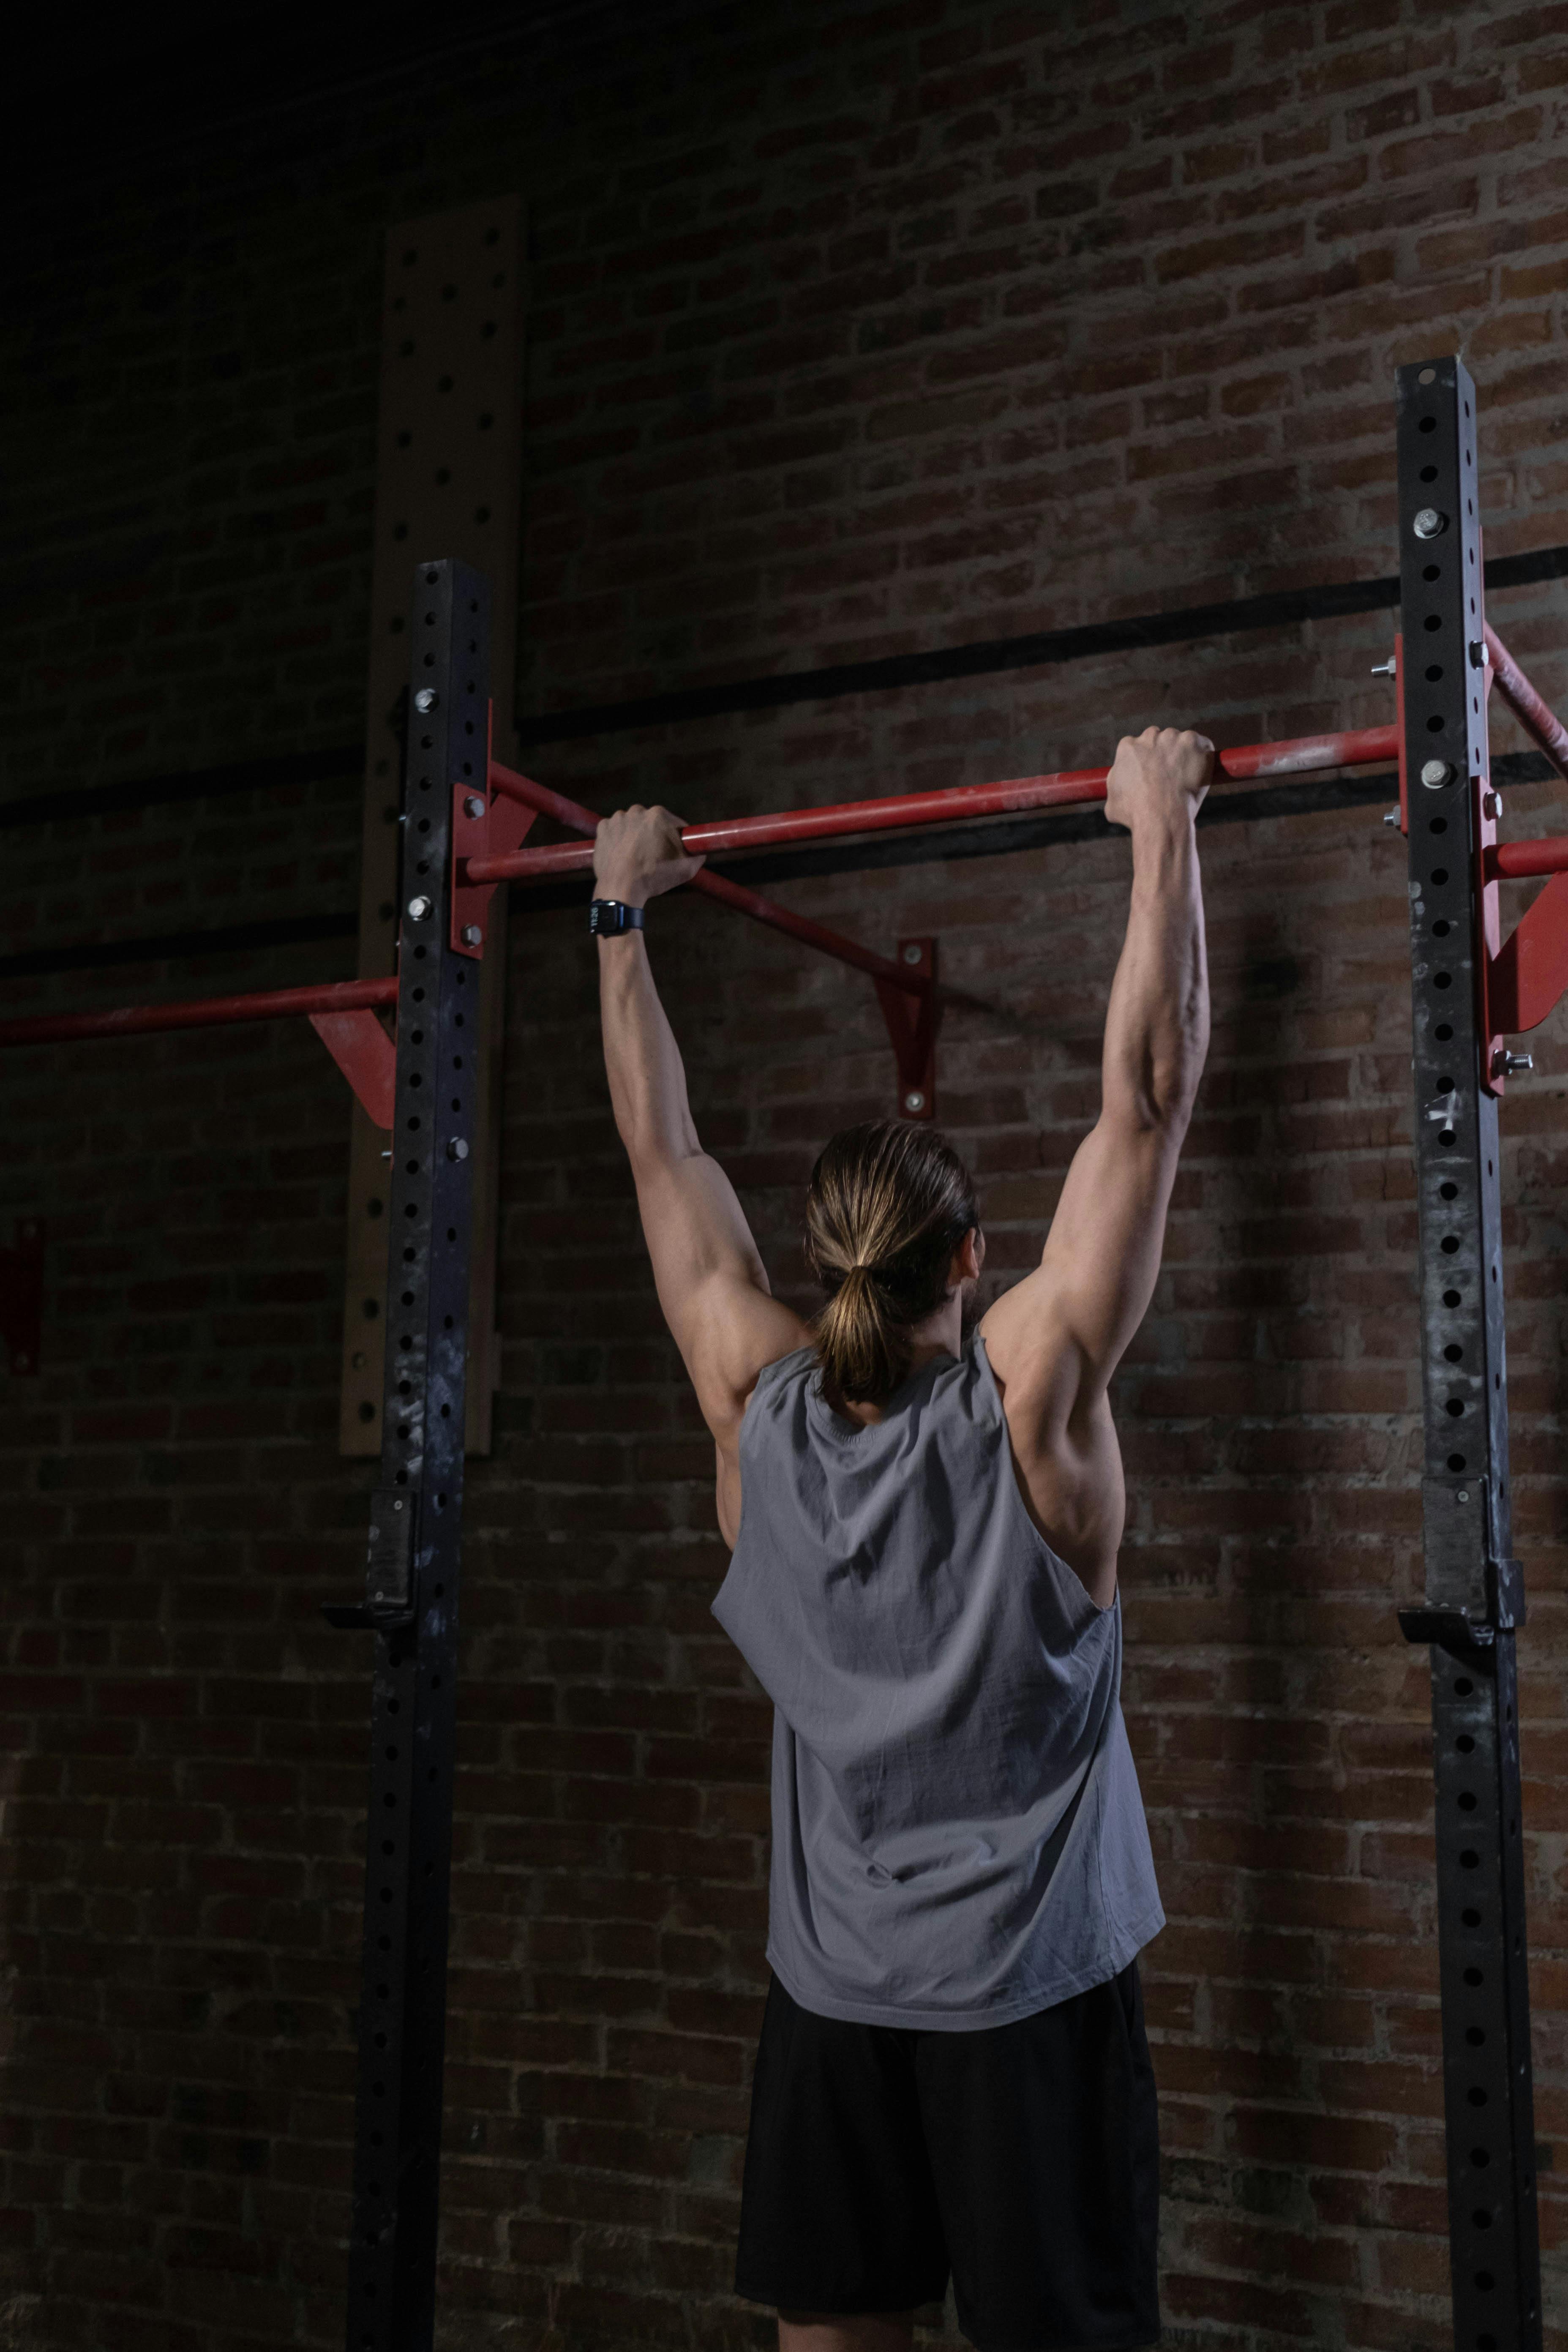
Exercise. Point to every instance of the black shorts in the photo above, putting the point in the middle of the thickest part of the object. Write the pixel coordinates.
(1025, 2157)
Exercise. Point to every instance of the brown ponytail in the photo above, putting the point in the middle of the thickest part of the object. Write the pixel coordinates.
(886, 1208)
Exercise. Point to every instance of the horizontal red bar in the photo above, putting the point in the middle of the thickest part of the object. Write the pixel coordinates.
(712, 885)
(1534, 714)
(199, 1012)
(1075, 787)
(1518, 861)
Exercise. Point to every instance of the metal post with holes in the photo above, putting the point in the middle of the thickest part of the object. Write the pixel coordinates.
(411, 1588)
(1474, 1597)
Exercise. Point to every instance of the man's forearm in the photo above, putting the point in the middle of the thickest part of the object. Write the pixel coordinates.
(647, 1081)
(1156, 1031)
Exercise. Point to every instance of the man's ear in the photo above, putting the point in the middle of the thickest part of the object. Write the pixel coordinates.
(970, 1257)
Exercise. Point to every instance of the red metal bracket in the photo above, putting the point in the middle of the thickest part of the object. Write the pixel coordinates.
(484, 824)
(911, 1018)
(22, 1297)
(1529, 972)
(366, 1056)
(1522, 978)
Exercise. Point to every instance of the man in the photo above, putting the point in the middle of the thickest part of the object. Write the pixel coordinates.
(952, 2071)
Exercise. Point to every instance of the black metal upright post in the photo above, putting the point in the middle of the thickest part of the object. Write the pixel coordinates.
(411, 1589)
(1473, 1597)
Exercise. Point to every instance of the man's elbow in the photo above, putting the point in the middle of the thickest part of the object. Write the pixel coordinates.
(653, 1135)
(1159, 1096)
(654, 1152)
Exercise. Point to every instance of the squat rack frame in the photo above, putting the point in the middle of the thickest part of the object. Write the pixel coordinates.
(465, 818)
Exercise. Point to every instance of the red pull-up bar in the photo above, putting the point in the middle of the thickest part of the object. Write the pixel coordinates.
(897, 984)
(1074, 787)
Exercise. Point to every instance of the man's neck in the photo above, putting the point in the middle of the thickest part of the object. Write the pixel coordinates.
(940, 1333)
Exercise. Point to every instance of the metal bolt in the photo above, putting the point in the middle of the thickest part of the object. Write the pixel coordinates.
(1436, 772)
(1389, 668)
(914, 1100)
(473, 806)
(1478, 654)
(1513, 1063)
(1391, 816)
(1429, 524)
(457, 1149)
(421, 910)
(428, 699)
(1491, 806)
(912, 953)
(471, 935)
(1464, 1495)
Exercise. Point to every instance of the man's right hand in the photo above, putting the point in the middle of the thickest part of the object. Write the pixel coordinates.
(1160, 772)
(637, 856)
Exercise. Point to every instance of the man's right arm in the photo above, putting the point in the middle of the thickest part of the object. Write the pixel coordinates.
(1057, 1335)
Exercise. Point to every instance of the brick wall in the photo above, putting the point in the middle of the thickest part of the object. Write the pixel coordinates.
(852, 332)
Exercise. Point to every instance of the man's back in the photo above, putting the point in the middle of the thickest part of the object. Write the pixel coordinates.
(951, 1771)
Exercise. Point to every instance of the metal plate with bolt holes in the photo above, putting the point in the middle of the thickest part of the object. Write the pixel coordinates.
(448, 467)
(389, 1557)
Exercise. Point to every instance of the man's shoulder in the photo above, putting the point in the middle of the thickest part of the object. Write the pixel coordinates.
(1026, 1331)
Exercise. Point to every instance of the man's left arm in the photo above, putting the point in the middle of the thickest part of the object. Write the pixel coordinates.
(712, 1286)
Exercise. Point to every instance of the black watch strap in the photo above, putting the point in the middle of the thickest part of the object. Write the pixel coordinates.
(609, 917)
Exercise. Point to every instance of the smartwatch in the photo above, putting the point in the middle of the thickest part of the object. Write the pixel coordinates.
(608, 918)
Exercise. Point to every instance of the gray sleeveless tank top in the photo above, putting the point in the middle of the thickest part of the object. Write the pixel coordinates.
(958, 1837)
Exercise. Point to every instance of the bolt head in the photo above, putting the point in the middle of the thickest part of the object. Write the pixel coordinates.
(426, 699)
(457, 1149)
(1429, 524)
(421, 910)
(914, 1100)
(472, 937)
(1391, 816)
(1464, 1495)
(912, 953)
(1436, 772)
(473, 806)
